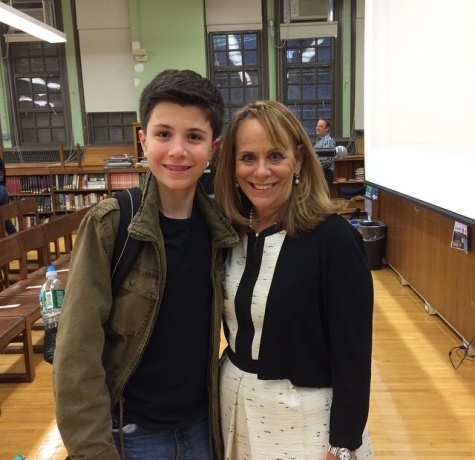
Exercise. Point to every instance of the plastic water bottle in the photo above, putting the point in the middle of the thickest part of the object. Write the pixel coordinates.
(51, 300)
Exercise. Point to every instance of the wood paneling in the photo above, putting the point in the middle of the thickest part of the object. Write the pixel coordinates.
(418, 248)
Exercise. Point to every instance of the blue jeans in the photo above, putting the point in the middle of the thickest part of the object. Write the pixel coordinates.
(190, 443)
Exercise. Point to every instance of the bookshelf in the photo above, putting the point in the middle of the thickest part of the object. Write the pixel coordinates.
(62, 190)
(347, 172)
(138, 151)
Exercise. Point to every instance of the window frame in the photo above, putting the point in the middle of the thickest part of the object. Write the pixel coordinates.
(309, 110)
(252, 72)
(126, 127)
(15, 106)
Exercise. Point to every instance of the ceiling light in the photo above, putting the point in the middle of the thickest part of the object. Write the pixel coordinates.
(30, 25)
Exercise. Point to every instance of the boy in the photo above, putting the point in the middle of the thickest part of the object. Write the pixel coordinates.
(135, 373)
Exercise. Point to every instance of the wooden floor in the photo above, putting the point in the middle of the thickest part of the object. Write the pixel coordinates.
(421, 407)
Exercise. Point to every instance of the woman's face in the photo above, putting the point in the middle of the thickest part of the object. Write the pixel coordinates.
(264, 171)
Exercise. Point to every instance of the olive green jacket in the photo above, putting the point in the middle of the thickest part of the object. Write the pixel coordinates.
(101, 339)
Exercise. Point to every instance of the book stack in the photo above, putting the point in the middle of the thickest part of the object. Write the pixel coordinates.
(143, 162)
(359, 174)
(119, 162)
(96, 181)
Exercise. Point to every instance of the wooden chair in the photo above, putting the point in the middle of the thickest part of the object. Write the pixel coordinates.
(10, 211)
(59, 232)
(33, 239)
(29, 209)
(10, 251)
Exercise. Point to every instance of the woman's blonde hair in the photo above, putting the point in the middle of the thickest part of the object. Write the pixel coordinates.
(309, 202)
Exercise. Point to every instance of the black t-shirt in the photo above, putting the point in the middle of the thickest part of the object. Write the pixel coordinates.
(168, 389)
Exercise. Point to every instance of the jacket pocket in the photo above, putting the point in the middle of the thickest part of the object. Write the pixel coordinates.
(134, 302)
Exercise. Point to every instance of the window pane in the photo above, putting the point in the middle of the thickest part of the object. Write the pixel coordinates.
(55, 101)
(24, 85)
(115, 134)
(40, 100)
(115, 119)
(250, 57)
(52, 64)
(53, 84)
(29, 136)
(99, 119)
(44, 135)
(58, 136)
(35, 49)
(25, 101)
(129, 118)
(21, 65)
(57, 119)
(42, 120)
(101, 134)
(50, 49)
(27, 120)
(37, 65)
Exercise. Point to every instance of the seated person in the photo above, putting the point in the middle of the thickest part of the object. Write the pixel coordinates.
(325, 141)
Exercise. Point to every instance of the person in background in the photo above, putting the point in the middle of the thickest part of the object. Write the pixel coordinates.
(325, 141)
(9, 227)
(295, 376)
(207, 179)
(136, 372)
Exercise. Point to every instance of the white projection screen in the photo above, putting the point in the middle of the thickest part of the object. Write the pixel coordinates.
(419, 101)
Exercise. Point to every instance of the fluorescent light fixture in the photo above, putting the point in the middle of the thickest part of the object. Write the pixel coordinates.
(30, 25)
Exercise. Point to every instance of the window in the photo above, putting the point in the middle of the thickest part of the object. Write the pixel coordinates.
(309, 82)
(111, 127)
(236, 68)
(38, 94)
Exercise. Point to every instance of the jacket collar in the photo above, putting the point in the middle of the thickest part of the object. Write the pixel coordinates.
(145, 224)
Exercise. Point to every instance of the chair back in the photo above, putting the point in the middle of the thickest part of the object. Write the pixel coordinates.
(10, 211)
(60, 232)
(29, 212)
(10, 251)
(33, 239)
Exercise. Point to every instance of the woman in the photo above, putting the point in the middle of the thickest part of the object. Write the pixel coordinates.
(295, 379)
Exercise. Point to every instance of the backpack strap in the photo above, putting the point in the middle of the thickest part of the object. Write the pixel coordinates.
(126, 249)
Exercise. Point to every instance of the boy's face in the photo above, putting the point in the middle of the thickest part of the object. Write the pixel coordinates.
(178, 145)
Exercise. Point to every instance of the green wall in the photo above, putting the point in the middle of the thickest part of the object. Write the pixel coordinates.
(172, 32)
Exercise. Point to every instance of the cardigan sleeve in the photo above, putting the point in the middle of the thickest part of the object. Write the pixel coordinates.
(349, 299)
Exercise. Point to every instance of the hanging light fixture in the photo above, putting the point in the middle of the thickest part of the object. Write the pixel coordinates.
(30, 25)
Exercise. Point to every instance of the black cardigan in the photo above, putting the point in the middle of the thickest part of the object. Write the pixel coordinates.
(318, 323)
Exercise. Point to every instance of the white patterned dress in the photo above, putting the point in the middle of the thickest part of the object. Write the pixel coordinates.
(268, 419)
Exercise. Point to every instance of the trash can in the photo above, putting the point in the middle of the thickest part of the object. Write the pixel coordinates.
(356, 223)
(374, 237)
